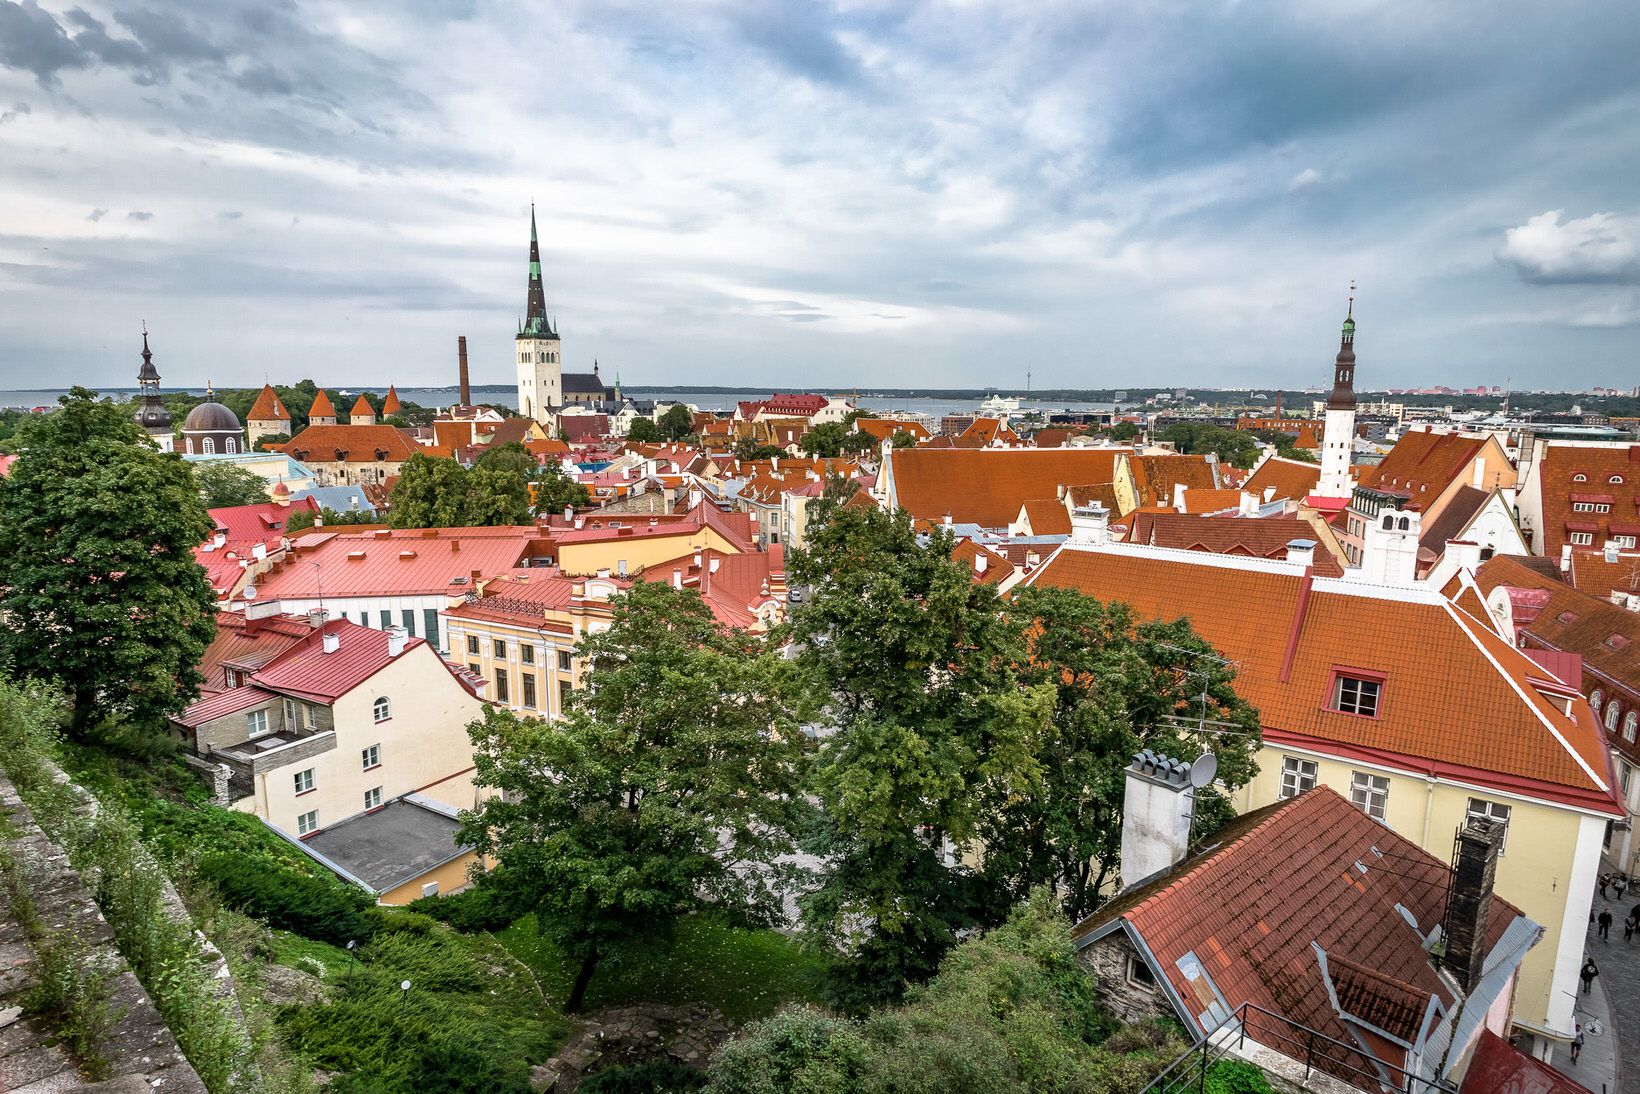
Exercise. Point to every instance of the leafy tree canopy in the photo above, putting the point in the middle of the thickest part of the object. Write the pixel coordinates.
(303, 518)
(102, 593)
(668, 787)
(555, 491)
(1233, 446)
(644, 431)
(829, 440)
(433, 492)
(223, 484)
(676, 423)
(749, 448)
(513, 457)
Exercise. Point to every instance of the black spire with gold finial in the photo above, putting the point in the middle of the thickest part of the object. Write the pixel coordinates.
(1343, 392)
(536, 324)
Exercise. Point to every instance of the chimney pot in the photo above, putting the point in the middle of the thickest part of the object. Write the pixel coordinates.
(1301, 551)
(331, 641)
(316, 618)
(396, 639)
(677, 578)
(1158, 806)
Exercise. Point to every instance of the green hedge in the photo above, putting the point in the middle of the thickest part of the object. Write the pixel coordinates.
(317, 908)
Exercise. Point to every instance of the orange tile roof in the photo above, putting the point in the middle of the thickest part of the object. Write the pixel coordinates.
(268, 407)
(322, 407)
(1154, 477)
(1557, 482)
(1457, 698)
(998, 568)
(988, 486)
(1046, 516)
(1291, 479)
(390, 405)
(1423, 464)
(361, 406)
(1254, 537)
(1201, 500)
(1312, 873)
(985, 432)
(884, 428)
(350, 444)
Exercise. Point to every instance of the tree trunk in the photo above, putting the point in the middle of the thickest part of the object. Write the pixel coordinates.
(582, 979)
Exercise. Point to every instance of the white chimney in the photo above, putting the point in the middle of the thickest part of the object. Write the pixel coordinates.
(1479, 473)
(981, 563)
(697, 558)
(316, 617)
(1090, 524)
(1178, 496)
(332, 641)
(259, 551)
(1301, 551)
(569, 513)
(396, 638)
(1610, 551)
(220, 540)
(1566, 559)
(1389, 555)
(677, 578)
(1464, 554)
(1157, 808)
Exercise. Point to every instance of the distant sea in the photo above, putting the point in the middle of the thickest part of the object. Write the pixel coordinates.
(706, 400)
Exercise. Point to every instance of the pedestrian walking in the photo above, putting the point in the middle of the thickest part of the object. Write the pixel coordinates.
(1605, 923)
(1619, 884)
(1605, 881)
(1590, 971)
(1577, 1042)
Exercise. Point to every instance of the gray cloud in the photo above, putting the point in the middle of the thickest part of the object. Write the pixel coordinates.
(17, 111)
(1602, 248)
(136, 214)
(96, 215)
(32, 40)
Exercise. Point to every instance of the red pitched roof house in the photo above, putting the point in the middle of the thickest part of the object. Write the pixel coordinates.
(987, 486)
(1393, 695)
(246, 539)
(349, 455)
(1581, 496)
(1277, 479)
(1310, 925)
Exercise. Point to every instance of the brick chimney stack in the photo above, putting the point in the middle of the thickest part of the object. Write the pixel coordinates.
(1474, 862)
(461, 355)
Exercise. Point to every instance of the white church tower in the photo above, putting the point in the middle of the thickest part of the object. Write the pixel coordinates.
(1338, 435)
(540, 371)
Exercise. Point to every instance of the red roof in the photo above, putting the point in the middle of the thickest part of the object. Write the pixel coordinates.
(268, 406)
(988, 486)
(1497, 1067)
(321, 407)
(1458, 700)
(263, 522)
(1559, 489)
(307, 671)
(362, 408)
(5, 465)
(1256, 537)
(351, 444)
(884, 428)
(397, 562)
(390, 405)
(1423, 464)
(1283, 478)
(1297, 909)
(247, 645)
(581, 427)
(1047, 516)
(1154, 477)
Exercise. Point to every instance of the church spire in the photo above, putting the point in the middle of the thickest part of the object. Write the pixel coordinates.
(536, 324)
(1343, 392)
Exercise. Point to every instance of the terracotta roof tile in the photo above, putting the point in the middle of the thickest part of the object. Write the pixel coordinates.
(350, 444)
(1046, 516)
(322, 406)
(268, 407)
(1154, 477)
(988, 486)
(390, 405)
(1558, 473)
(1255, 537)
(1283, 478)
(1423, 463)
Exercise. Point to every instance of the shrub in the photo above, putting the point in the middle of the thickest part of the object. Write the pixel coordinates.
(318, 908)
(1236, 1077)
(492, 904)
(650, 1077)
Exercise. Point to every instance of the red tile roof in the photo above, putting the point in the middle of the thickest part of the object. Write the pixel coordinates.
(998, 568)
(1199, 500)
(322, 407)
(1558, 473)
(390, 405)
(1255, 537)
(1294, 897)
(396, 562)
(1154, 477)
(988, 486)
(1423, 464)
(1497, 1067)
(1283, 478)
(351, 444)
(362, 408)
(884, 428)
(1458, 699)
(581, 427)
(1046, 516)
(268, 407)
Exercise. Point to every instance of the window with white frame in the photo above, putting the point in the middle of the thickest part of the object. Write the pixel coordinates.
(371, 757)
(472, 643)
(1613, 709)
(293, 714)
(381, 710)
(373, 798)
(1582, 539)
(1139, 973)
(1623, 541)
(1596, 697)
(307, 822)
(1631, 722)
(1357, 695)
(526, 654)
(208, 446)
(1297, 776)
(1481, 809)
(256, 723)
(304, 780)
(1369, 793)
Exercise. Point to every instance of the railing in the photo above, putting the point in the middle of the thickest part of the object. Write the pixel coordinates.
(1313, 1051)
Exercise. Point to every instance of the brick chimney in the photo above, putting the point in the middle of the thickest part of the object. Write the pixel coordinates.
(461, 356)
(1474, 862)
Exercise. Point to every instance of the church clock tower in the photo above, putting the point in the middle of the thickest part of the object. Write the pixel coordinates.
(1338, 436)
(540, 371)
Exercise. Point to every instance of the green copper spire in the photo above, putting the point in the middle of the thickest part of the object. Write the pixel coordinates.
(536, 324)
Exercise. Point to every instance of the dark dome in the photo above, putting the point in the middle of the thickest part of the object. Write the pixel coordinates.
(210, 418)
(152, 417)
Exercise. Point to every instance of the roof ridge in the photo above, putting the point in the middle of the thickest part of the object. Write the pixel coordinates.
(1576, 756)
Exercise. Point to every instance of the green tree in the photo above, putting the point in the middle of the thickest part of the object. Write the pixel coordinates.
(433, 492)
(512, 457)
(303, 518)
(825, 440)
(915, 665)
(677, 423)
(1285, 446)
(223, 484)
(644, 431)
(667, 788)
(903, 438)
(750, 448)
(1232, 446)
(1123, 431)
(852, 417)
(1010, 1012)
(1118, 686)
(555, 491)
(101, 590)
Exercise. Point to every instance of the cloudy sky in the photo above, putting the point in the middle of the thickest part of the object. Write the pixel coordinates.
(782, 193)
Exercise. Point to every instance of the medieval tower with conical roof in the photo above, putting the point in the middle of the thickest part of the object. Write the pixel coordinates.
(540, 371)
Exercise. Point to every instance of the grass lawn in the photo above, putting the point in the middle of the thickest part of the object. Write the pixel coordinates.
(744, 973)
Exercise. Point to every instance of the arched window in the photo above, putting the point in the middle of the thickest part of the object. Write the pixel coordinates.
(381, 711)
(233, 445)
(1389, 522)
(1580, 477)
(190, 443)
(1596, 697)
(1612, 710)
(1631, 721)
(1406, 523)
(208, 446)
(1616, 480)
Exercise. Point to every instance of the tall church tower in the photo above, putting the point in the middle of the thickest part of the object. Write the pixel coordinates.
(151, 413)
(540, 372)
(1338, 437)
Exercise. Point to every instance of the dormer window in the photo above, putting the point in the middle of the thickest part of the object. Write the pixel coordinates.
(1580, 477)
(1616, 480)
(1357, 694)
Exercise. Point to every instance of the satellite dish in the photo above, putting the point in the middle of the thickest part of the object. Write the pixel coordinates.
(1203, 770)
(248, 592)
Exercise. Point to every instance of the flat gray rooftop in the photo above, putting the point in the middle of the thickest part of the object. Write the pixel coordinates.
(391, 845)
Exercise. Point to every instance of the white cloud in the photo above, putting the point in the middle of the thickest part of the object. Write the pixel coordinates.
(1304, 180)
(1601, 247)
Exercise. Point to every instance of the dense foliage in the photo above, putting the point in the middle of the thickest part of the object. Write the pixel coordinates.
(555, 491)
(1232, 446)
(317, 908)
(223, 484)
(1010, 1011)
(303, 518)
(828, 440)
(102, 593)
(668, 786)
(433, 492)
(676, 423)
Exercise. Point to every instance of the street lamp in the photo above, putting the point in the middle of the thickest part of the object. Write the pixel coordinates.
(351, 947)
(404, 992)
